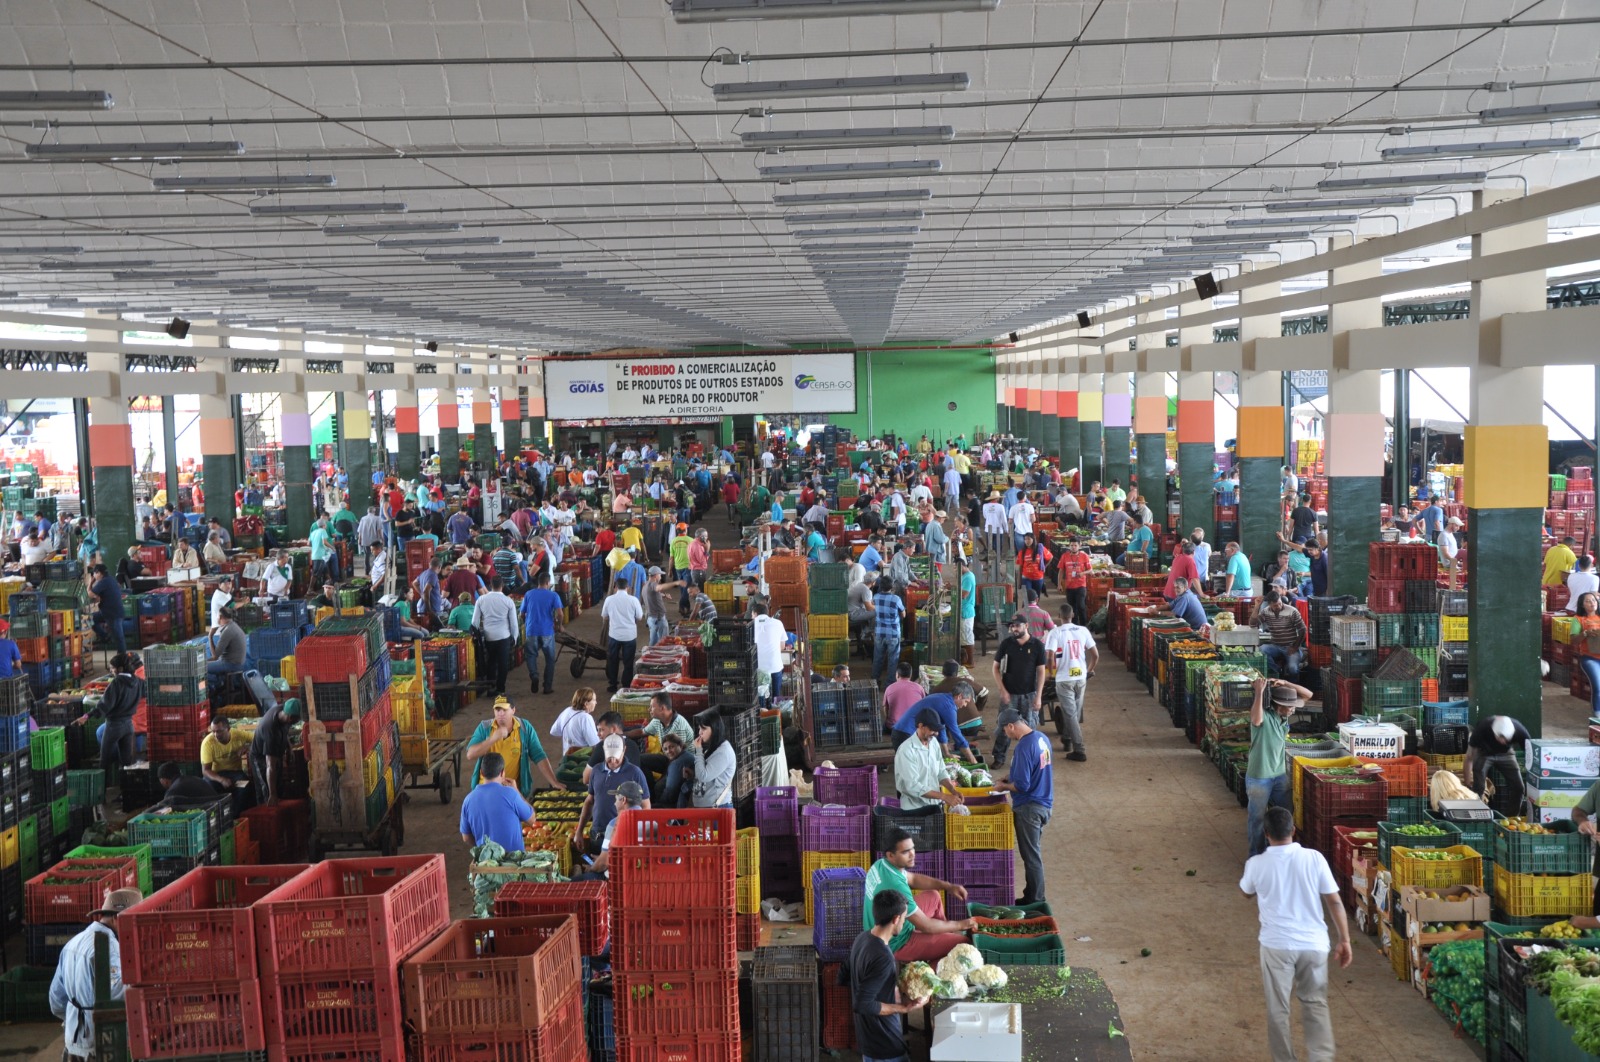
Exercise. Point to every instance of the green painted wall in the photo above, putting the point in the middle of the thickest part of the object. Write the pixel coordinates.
(911, 391)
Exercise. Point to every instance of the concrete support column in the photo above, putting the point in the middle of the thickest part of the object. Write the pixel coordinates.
(1035, 403)
(1507, 463)
(511, 409)
(1355, 437)
(448, 405)
(1002, 412)
(1091, 418)
(483, 448)
(538, 428)
(111, 460)
(1197, 446)
(1050, 409)
(1150, 431)
(219, 454)
(1117, 410)
(355, 433)
(408, 433)
(1260, 435)
(294, 438)
(1067, 410)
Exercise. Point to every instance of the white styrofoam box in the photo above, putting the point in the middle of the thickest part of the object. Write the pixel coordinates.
(1379, 741)
(1573, 759)
(978, 1032)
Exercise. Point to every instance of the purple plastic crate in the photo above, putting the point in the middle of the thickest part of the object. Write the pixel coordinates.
(828, 828)
(931, 865)
(838, 897)
(981, 868)
(780, 868)
(777, 811)
(850, 786)
(988, 895)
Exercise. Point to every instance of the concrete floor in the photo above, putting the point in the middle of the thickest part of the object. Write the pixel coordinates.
(1129, 824)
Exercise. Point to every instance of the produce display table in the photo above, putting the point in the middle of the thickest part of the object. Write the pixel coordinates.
(1060, 1018)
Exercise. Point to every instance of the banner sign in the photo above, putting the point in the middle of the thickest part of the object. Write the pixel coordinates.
(652, 389)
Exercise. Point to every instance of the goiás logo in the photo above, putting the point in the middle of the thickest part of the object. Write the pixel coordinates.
(587, 387)
(806, 382)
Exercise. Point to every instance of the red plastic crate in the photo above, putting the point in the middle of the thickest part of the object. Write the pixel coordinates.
(1406, 776)
(188, 718)
(694, 1047)
(1335, 800)
(484, 974)
(559, 1039)
(178, 745)
(375, 724)
(838, 1011)
(197, 1018)
(199, 928)
(351, 915)
(80, 888)
(584, 899)
(330, 657)
(747, 931)
(668, 860)
(349, 1049)
(328, 1011)
(695, 938)
(650, 1004)
(1386, 595)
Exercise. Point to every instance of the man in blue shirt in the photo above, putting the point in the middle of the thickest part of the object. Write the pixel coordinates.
(1032, 789)
(1432, 520)
(1319, 568)
(459, 527)
(542, 613)
(815, 544)
(10, 652)
(1186, 606)
(888, 617)
(604, 781)
(946, 705)
(494, 810)
(1238, 572)
(871, 560)
(634, 574)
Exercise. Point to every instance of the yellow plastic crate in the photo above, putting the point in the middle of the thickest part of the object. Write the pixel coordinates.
(985, 828)
(748, 842)
(1297, 766)
(10, 847)
(69, 620)
(749, 895)
(322, 614)
(1453, 628)
(1400, 959)
(1439, 762)
(287, 672)
(410, 711)
(1530, 895)
(414, 751)
(1562, 628)
(810, 862)
(441, 730)
(828, 625)
(240, 711)
(371, 771)
(721, 595)
(1407, 869)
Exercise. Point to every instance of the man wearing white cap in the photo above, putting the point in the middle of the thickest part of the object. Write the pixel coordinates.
(72, 989)
(1449, 549)
(1490, 748)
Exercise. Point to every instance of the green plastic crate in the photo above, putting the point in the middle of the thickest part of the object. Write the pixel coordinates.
(25, 995)
(175, 835)
(140, 852)
(829, 577)
(60, 817)
(28, 846)
(48, 747)
(225, 848)
(1407, 811)
(87, 788)
(829, 602)
(1047, 950)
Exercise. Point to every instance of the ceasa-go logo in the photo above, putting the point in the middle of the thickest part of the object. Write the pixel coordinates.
(807, 382)
(804, 380)
(587, 387)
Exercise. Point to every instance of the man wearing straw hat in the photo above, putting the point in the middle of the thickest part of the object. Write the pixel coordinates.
(1266, 780)
(72, 989)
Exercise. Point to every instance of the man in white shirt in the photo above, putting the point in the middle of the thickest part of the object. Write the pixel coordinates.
(1289, 882)
(994, 523)
(621, 614)
(1075, 654)
(897, 511)
(495, 615)
(768, 460)
(1021, 521)
(952, 484)
(1449, 548)
(35, 550)
(377, 568)
(1582, 581)
(921, 493)
(1202, 553)
(770, 637)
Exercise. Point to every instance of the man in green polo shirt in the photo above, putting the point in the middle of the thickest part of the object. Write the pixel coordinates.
(927, 935)
(1266, 776)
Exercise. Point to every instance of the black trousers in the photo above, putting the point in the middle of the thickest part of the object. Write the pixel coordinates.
(499, 652)
(619, 661)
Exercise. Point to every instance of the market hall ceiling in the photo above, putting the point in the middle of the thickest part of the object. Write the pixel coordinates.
(595, 174)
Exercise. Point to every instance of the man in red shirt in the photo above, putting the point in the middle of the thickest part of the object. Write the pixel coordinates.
(1032, 561)
(730, 495)
(1183, 567)
(605, 540)
(1073, 575)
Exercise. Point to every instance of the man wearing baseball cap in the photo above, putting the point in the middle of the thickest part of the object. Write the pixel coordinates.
(72, 989)
(10, 652)
(627, 796)
(1032, 786)
(1019, 669)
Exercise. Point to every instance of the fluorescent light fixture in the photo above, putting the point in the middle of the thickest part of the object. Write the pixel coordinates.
(261, 182)
(527, 276)
(1401, 180)
(72, 100)
(97, 267)
(187, 274)
(442, 241)
(134, 152)
(864, 230)
(1539, 112)
(816, 139)
(288, 210)
(42, 250)
(1247, 237)
(849, 171)
(882, 245)
(888, 195)
(1331, 219)
(801, 88)
(487, 257)
(1487, 149)
(1358, 203)
(391, 228)
(854, 215)
(731, 10)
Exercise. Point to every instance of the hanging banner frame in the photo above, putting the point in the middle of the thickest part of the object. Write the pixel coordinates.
(699, 386)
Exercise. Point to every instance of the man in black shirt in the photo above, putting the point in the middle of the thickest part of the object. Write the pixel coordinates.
(873, 975)
(269, 746)
(1489, 748)
(1303, 521)
(184, 790)
(609, 723)
(108, 617)
(1019, 669)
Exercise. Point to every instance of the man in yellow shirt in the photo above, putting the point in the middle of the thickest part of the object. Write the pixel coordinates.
(222, 754)
(1558, 562)
(632, 538)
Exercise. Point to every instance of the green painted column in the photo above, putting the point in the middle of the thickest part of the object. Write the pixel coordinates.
(1117, 411)
(355, 439)
(407, 434)
(1356, 429)
(219, 461)
(1197, 446)
(1049, 411)
(483, 448)
(1035, 407)
(449, 434)
(294, 438)
(1150, 431)
(1091, 429)
(1067, 409)
(511, 421)
(1260, 433)
(1348, 540)
(1503, 670)
(107, 441)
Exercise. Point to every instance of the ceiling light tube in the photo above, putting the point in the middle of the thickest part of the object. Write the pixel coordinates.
(134, 152)
(262, 182)
(487, 257)
(854, 215)
(1331, 219)
(801, 88)
(442, 241)
(880, 230)
(42, 250)
(1539, 112)
(71, 100)
(390, 228)
(817, 139)
(1488, 149)
(1401, 180)
(888, 195)
(287, 210)
(884, 245)
(1248, 237)
(849, 171)
(134, 263)
(733, 10)
(1358, 203)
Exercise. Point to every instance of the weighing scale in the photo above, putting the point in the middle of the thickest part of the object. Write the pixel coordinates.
(1464, 810)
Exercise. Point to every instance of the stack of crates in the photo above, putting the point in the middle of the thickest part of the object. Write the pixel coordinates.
(980, 854)
(788, 585)
(778, 819)
(330, 942)
(674, 951)
(784, 989)
(731, 662)
(179, 709)
(46, 750)
(748, 888)
(829, 620)
(352, 743)
(30, 629)
(16, 797)
(1452, 644)
(1541, 874)
(834, 836)
(1571, 509)
(270, 644)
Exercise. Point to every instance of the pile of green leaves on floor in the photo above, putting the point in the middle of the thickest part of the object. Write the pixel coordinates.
(1097, 623)
(1456, 984)
(1570, 976)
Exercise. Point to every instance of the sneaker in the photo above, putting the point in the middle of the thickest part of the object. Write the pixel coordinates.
(548, 691)
(1077, 756)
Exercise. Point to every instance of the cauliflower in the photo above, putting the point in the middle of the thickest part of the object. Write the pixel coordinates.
(954, 988)
(986, 978)
(962, 959)
(918, 981)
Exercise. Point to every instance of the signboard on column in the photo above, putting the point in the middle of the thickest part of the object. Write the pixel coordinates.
(656, 388)
(491, 500)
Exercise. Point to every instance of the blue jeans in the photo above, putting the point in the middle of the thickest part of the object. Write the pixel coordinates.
(885, 656)
(1264, 793)
(660, 627)
(1285, 662)
(1022, 703)
(541, 644)
(1591, 667)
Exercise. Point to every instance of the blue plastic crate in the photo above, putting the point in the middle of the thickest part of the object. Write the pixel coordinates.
(1446, 713)
(14, 733)
(837, 897)
(273, 641)
(290, 614)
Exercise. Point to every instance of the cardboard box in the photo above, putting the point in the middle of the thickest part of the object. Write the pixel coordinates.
(1366, 916)
(1562, 759)
(1420, 909)
(1556, 791)
(1363, 874)
(1546, 816)
(1379, 741)
(1382, 894)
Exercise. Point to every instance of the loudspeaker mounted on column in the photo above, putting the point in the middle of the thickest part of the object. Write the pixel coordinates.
(178, 329)
(1083, 319)
(431, 347)
(1205, 286)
